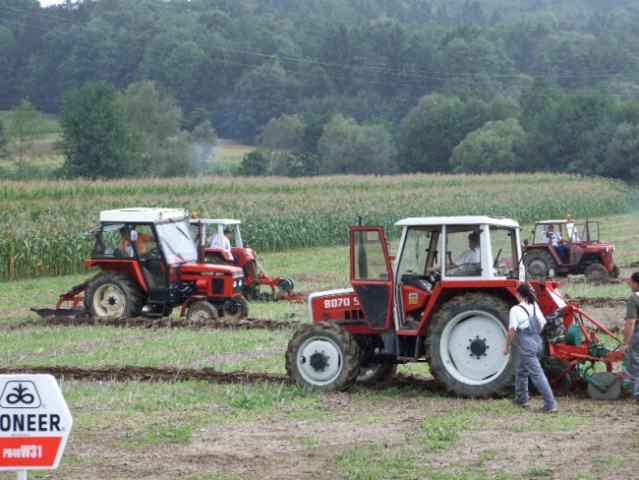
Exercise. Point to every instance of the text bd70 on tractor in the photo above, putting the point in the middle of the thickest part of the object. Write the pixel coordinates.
(258, 285)
(426, 304)
(148, 265)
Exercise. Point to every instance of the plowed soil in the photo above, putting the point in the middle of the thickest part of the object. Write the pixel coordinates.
(586, 440)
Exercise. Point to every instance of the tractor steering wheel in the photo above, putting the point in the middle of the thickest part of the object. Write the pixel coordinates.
(434, 277)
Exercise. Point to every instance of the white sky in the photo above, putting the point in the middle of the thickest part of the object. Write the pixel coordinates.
(46, 3)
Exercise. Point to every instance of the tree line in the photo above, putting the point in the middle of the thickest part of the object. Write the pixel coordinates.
(325, 86)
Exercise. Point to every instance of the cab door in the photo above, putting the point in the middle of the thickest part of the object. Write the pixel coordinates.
(372, 275)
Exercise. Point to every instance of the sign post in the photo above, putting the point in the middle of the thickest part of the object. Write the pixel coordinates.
(35, 423)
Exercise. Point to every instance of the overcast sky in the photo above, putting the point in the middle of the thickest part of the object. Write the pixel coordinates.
(46, 3)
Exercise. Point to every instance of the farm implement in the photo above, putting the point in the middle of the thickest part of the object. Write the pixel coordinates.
(258, 285)
(576, 353)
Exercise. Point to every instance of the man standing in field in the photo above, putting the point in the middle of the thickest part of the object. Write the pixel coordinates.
(631, 333)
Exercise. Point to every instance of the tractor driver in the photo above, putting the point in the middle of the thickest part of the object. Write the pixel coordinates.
(126, 246)
(222, 241)
(467, 257)
(554, 238)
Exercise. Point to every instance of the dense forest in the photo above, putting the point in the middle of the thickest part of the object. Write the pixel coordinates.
(335, 86)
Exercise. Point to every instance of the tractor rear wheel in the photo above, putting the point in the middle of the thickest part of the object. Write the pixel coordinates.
(202, 311)
(237, 309)
(465, 347)
(596, 272)
(323, 356)
(113, 294)
(539, 263)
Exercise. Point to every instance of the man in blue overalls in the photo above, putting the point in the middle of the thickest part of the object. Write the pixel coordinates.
(525, 324)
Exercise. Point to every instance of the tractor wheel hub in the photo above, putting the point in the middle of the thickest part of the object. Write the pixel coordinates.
(477, 347)
(318, 361)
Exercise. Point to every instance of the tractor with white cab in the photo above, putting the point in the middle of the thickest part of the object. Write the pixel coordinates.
(430, 303)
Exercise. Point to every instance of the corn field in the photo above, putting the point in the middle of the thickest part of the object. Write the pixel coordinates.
(43, 225)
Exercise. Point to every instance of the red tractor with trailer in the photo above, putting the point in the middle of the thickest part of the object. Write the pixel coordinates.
(425, 305)
(149, 265)
(578, 252)
(257, 284)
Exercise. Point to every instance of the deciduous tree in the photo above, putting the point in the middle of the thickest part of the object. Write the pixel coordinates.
(22, 130)
(495, 147)
(346, 147)
(97, 140)
(155, 118)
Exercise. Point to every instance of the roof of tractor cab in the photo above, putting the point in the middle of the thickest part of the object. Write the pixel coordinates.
(144, 215)
(553, 222)
(458, 221)
(216, 221)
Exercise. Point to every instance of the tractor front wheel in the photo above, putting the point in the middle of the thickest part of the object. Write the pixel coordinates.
(615, 272)
(323, 356)
(236, 309)
(596, 272)
(465, 347)
(539, 263)
(202, 311)
(113, 294)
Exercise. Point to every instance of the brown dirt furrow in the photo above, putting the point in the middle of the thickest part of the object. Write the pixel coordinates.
(157, 323)
(166, 374)
(157, 374)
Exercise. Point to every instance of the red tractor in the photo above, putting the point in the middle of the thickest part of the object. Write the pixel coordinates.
(149, 265)
(426, 305)
(257, 284)
(564, 247)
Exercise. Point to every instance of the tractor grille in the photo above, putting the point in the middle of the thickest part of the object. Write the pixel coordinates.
(218, 286)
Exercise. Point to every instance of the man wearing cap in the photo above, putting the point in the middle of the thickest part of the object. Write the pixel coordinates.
(631, 333)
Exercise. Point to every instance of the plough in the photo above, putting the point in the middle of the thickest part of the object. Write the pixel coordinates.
(578, 351)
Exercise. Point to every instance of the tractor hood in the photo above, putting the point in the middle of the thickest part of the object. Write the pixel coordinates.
(210, 270)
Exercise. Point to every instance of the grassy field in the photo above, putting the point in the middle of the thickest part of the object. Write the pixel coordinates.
(197, 430)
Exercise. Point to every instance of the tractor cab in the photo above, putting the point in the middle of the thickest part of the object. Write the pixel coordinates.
(257, 284)
(206, 229)
(433, 253)
(141, 247)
